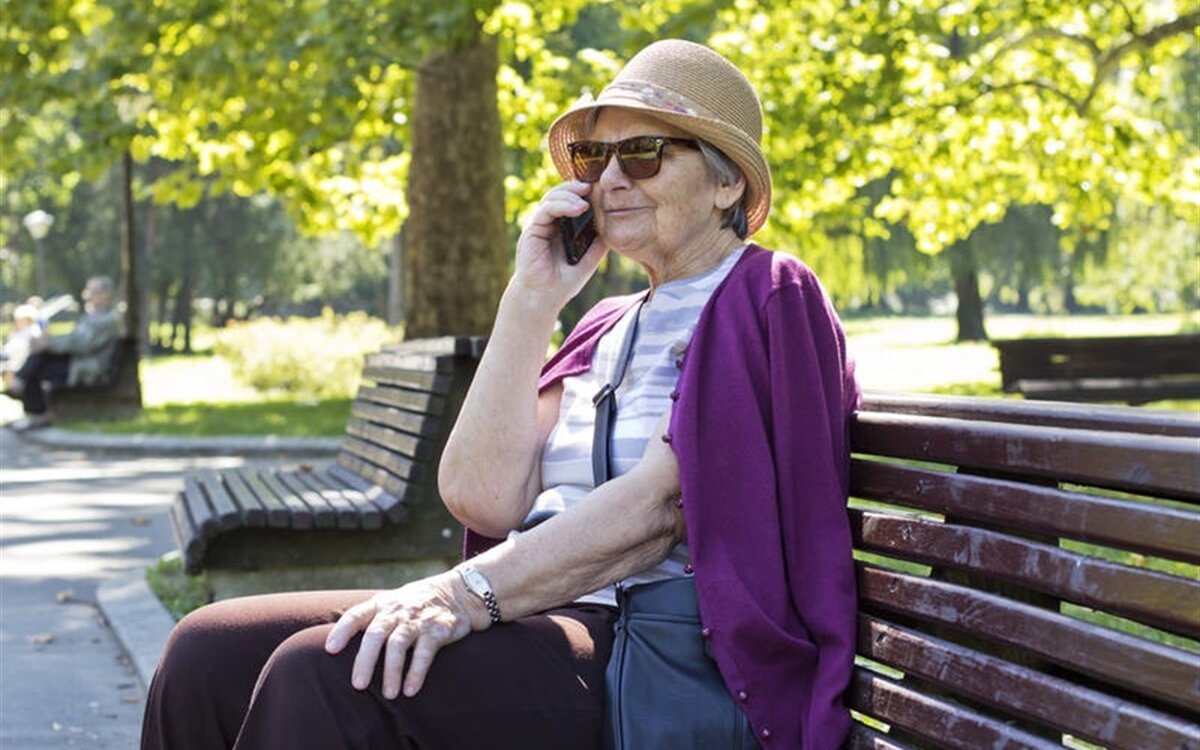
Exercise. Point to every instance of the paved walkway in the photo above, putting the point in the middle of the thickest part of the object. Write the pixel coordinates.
(79, 520)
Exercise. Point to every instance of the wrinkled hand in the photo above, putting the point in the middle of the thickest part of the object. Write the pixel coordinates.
(420, 617)
(541, 265)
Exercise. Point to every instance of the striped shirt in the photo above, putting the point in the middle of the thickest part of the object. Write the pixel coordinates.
(665, 325)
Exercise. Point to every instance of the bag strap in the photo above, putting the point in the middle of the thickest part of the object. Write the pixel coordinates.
(606, 406)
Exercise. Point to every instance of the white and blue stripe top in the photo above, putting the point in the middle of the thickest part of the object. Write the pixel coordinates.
(665, 328)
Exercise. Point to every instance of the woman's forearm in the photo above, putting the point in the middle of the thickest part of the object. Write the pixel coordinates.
(489, 469)
(624, 526)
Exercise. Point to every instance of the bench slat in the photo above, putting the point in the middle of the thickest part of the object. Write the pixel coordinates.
(250, 486)
(368, 515)
(399, 442)
(254, 512)
(300, 516)
(420, 425)
(412, 361)
(1074, 416)
(1148, 464)
(229, 515)
(345, 514)
(1151, 669)
(936, 719)
(402, 398)
(324, 515)
(378, 371)
(1130, 390)
(1154, 598)
(398, 466)
(1054, 702)
(1133, 525)
(362, 475)
(192, 544)
(203, 519)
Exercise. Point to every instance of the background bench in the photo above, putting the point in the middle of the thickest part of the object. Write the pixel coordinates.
(117, 395)
(1133, 369)
(371, 519)
(1004, 551)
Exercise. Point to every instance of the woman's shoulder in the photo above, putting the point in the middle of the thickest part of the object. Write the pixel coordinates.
(769, 270)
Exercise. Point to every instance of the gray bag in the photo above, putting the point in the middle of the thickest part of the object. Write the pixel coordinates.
(663, 690)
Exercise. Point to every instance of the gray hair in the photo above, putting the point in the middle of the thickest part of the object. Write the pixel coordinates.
(726, 172)
(104, 283)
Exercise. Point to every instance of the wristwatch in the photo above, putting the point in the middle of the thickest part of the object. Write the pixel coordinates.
(478, 585)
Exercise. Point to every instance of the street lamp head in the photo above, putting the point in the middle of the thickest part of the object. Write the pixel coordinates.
(38, 223)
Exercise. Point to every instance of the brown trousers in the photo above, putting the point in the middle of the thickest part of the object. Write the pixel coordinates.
(253, 673)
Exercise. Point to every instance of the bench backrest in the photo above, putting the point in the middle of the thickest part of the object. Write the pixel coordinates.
(1026, 572)
(1097, 357)
(400, 419)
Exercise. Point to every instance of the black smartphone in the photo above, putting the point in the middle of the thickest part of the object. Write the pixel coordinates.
(578, 232)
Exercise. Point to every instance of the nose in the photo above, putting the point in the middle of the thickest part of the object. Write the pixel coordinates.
(613, 175)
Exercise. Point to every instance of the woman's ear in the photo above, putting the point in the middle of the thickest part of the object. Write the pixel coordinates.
(728, 195)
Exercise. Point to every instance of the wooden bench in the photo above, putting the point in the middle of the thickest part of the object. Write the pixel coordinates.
(116, 395)
(1006, 550)
(373, 518)
(1133, 369)
(992, 613)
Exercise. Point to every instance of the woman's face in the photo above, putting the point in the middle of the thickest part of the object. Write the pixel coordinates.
(665, 214)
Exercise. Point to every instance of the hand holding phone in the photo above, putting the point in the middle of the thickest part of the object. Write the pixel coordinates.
(578, 233)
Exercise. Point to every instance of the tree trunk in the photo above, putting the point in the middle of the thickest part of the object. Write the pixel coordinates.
(966, 285)
(395, 287)
(456, 253)
(129, 270)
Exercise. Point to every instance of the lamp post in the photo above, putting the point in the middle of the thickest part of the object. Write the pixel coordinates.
(38, 223)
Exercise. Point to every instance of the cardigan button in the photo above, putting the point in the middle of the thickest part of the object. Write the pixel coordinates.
(764, 733)
(666, 438)
(674, 395)
(688, 569)
(743, 696)
(679, 363)
(706, 632)
(679, 502)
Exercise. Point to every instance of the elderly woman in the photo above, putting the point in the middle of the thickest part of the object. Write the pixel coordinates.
(728, 458)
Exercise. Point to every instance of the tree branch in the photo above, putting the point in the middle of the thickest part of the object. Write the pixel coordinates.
(1106, 64)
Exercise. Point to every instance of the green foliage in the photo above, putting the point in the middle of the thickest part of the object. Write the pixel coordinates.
(179, 592)
(303, 357)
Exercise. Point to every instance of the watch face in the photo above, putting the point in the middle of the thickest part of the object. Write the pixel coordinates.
(475, 581)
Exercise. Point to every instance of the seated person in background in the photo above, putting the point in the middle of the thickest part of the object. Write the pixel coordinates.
(77, 358)
(27, 326)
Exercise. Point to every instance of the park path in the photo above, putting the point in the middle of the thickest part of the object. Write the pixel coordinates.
(69, 520)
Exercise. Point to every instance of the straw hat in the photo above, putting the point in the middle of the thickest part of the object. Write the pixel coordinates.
(698, 91)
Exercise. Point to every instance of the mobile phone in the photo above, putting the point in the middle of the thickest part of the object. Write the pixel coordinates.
(578, 232)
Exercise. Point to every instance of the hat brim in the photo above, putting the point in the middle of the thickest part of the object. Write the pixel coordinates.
(732, 141)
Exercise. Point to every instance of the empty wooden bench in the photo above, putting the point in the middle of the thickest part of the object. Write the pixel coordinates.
(371, 519)
(1133, 369)
(1027, 575)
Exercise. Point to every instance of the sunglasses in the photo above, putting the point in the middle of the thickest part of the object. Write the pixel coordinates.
(639, 157)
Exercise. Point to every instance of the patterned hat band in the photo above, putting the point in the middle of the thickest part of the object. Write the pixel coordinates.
(654, 96)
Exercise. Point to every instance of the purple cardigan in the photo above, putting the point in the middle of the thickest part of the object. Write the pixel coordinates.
(766, 377)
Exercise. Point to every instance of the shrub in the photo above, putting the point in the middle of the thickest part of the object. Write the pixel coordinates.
(303, 357)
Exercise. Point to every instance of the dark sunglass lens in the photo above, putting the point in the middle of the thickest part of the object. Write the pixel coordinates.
(640, 157)
(588, 159)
